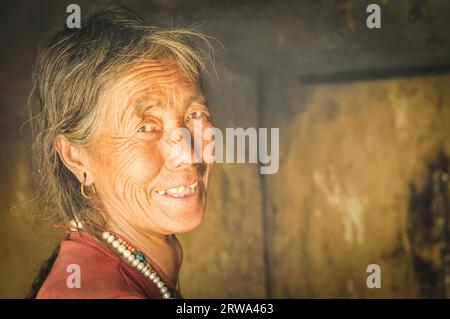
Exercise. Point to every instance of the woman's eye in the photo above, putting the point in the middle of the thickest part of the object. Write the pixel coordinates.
(197, 115)
(149, 127)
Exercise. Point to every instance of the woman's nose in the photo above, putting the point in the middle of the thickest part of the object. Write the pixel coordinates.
(180, 148)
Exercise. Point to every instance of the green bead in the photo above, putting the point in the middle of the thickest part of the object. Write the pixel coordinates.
(140, 256)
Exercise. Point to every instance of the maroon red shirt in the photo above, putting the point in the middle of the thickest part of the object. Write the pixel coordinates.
(103, 273)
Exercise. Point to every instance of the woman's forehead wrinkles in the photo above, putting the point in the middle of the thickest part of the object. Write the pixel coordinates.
(155, 64)
(153, 69)
(166, 83)
(166, 94)
(152, 83)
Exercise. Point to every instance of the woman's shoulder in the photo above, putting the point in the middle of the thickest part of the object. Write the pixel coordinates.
(85, 268)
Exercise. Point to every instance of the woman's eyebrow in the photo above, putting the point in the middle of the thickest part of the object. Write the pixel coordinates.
(135, 109)
(143, 103)
(141, 108)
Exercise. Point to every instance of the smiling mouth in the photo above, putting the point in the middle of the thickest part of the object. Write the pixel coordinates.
(179, 191)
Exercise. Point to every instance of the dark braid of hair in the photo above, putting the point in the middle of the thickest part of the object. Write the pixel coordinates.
(42, 275)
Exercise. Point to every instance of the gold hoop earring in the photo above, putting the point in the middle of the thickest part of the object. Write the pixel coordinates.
(82, 187)
(84, 194)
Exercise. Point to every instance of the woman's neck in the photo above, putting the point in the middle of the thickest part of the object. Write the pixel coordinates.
(163, 251)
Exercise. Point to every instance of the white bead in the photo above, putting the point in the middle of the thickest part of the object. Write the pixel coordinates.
(116, 244)
(105, 235)
(121, 249)
(152, 276)
(166, 295)
(126, 253)
(131, 258)
(110, 239)
(135, 262)
(147, 273)
(156, 280)
(160, 284)
(163, 290)
(144, 269)
(140, 266)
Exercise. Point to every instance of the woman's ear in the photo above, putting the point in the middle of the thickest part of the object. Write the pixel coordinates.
(73, 158)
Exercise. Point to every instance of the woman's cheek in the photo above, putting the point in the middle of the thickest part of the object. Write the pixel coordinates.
(146, 164)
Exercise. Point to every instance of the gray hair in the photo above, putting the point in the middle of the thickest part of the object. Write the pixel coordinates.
(73, 68)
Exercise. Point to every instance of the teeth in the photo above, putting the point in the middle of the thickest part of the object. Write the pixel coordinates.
(175, 190)
(193, 185)
(179, 191)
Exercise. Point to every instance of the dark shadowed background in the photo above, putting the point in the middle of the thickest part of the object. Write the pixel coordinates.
(364, 148)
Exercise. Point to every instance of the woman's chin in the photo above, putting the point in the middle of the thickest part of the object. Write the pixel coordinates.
(183, 221)
(187, 226)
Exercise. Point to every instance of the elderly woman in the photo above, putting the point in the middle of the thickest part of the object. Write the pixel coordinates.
(106, 100)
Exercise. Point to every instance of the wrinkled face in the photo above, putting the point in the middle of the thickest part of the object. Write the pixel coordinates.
(141, 174)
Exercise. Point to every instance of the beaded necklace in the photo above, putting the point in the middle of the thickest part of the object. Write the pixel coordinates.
(137, 260)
